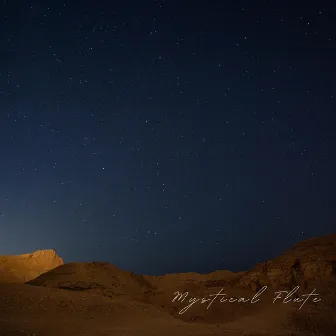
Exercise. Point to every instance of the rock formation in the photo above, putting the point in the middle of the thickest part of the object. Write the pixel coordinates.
(24, 267)
(306, 264)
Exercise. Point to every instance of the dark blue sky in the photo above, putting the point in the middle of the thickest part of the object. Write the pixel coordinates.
(166, 136)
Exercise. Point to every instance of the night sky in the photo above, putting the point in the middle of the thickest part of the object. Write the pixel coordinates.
(166, 136)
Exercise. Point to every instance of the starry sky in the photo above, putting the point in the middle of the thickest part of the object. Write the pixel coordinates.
(166, 136)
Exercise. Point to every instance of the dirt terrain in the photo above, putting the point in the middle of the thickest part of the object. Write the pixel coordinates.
(42, 296)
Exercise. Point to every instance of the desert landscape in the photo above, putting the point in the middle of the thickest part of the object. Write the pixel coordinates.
(41, 295)
(167, 168)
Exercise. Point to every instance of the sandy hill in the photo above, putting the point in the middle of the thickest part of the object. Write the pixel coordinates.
(24, 267)
(191, 277)
(96, 277)
(99, 299)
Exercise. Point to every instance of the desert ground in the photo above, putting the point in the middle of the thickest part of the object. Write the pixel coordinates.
(40, 295)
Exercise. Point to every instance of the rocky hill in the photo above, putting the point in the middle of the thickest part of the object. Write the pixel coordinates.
(24, 267)
(306, 264)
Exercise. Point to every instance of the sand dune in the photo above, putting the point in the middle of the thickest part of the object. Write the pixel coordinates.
(99, 299)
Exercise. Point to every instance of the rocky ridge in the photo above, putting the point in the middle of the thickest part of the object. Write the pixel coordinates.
(25, 267)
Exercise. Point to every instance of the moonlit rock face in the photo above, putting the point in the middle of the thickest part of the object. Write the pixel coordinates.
(25, 267)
